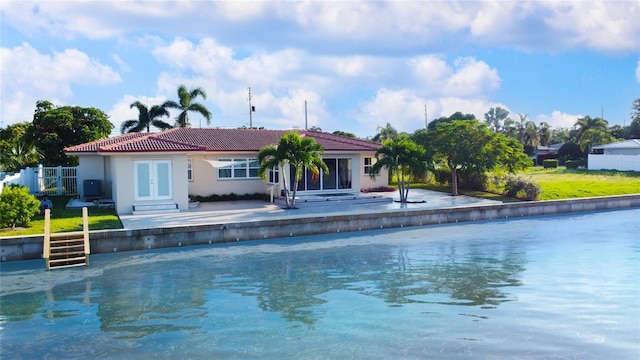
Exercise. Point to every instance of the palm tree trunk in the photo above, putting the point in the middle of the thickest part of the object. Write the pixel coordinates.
(295, 189)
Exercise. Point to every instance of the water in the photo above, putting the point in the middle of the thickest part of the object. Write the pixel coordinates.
(564, 287)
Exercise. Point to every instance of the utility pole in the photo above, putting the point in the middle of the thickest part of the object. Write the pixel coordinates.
(305, 115)
(426, 121)
(251, 110)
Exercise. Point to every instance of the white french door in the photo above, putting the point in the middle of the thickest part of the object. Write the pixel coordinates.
(152, 180)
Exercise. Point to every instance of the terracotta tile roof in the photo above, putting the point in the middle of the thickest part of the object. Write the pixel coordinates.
(215, 140)
(94, 145)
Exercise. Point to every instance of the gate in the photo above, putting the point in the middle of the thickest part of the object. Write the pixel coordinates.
(58, 180)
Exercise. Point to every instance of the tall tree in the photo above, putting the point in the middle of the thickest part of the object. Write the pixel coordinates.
(634, 127)
(343, 133)
(495, 119)
(297, 152)
(384, 133)
(401, 157)
(455, 116)
(186, 105)
(146, 118)
(55, 128)
(471, 147)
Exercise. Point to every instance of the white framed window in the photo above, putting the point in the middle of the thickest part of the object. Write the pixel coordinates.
(368, 164)
(273, 176)
(189, 170)
(239, 169)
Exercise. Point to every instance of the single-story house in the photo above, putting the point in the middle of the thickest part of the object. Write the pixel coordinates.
(621, 156)
(547, 152)
(160, 170)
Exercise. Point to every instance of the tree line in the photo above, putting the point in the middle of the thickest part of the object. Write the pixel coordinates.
(53, 128)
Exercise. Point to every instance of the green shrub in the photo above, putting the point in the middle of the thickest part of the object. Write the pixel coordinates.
(521, 189)
(550, 163)
(472, 180)
(17, 207)
(569, 151)
(572, 164)
(229, 197)
(442, 175)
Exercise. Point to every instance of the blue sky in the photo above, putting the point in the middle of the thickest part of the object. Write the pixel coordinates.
(357, 64)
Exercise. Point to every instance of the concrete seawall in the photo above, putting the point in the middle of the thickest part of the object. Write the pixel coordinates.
(107, 241)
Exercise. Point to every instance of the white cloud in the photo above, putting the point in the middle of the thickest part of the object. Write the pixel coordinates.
(378, 26)
(467, 77)
(599, 25)
(638, 71)
(406, 112)
(123, 65)
(28, 75)
(472, 78)
(558, 119)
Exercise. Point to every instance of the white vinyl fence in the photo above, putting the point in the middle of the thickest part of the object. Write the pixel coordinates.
(614, 162)
(45, 180)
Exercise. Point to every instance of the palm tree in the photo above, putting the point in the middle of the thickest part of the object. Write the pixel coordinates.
(296, 151)
(146, 118)
(521, 127)
(19, 156)
(402, 157)
(588, 123)
(186, 105)
(544, 133)
(530, 135)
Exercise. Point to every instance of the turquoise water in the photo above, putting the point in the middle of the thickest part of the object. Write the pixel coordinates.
(563, 287)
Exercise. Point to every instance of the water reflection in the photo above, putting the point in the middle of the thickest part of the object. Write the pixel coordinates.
(165, 294)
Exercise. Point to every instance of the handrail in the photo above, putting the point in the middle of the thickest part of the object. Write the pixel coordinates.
(271, 190)
(46, 246)
(85, 230)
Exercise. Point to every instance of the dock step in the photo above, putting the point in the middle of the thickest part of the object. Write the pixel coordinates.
(69, 249)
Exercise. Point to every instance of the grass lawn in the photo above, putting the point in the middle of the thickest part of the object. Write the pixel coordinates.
(562, 183)
(63, 220)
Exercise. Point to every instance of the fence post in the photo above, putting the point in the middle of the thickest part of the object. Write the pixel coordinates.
(59, 179)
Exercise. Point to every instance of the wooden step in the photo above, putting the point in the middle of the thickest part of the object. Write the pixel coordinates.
(74, 259)
(70, 265)
(67, 243)
(67, 253)
(68, 235)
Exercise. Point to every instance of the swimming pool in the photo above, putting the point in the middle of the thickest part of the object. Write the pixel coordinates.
(542, 287)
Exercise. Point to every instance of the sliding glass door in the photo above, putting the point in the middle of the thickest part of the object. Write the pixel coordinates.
(338, 177)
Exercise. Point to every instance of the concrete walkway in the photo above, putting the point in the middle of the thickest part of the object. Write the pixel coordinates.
(249, 210)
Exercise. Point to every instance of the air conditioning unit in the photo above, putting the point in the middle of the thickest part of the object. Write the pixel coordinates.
(92, 190)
